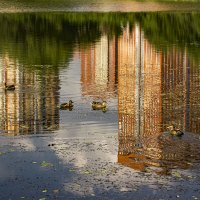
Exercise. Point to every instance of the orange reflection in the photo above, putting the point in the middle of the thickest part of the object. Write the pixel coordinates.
(155, 89)
(32, 107)
(139, 96)
(99, 68)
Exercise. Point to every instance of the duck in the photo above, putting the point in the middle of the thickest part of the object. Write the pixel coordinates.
(96, 105)
(9, 87)
(174, 131)
(67, 105)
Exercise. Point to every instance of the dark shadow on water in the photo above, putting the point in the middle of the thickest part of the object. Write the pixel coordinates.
(60, 181)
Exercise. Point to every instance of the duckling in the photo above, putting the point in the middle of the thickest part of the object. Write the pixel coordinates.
(9, 87)
(98, 105)
(67, 105)
(175, 131)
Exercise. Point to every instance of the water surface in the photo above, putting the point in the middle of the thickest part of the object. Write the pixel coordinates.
(145, 65)
(14, 6)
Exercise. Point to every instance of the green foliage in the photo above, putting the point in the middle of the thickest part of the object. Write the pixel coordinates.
(167, 29)
(50, 38)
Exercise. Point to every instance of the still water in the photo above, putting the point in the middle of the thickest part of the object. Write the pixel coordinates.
(13, 6)
(146, 66)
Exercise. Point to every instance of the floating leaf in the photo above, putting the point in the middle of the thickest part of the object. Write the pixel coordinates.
(75, 186)
(189, 163)
(43, 198)
(56, 190)
(45, 190)
(24, 126)
(34, 162)
(148, 170)
(72, 170)
(46, 164)
(87, 172)
(176, 174)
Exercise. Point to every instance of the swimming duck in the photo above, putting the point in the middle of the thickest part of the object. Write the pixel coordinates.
(67, 105)
(98, 105)
(175, 131)
(9, 87)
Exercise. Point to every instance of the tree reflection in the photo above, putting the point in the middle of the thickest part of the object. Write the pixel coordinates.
(50, 38)
(154, 71)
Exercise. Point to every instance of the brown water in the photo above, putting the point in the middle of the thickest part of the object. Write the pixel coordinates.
(146, 66)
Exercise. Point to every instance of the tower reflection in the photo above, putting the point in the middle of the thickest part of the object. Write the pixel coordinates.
(32, 107)
(155, 90)
(139, 96)
(99, 68)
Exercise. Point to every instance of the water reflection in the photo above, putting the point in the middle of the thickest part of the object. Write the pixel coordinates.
(154, 75)
(99, 68)
(32, 107)
(156, 89)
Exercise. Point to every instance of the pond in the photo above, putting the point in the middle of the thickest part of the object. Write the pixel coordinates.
(146, 66)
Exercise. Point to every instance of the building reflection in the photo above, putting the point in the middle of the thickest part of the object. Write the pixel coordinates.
(139, 96)
(32, 107)
(99, 68)
(155, 89)
(181, 76)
